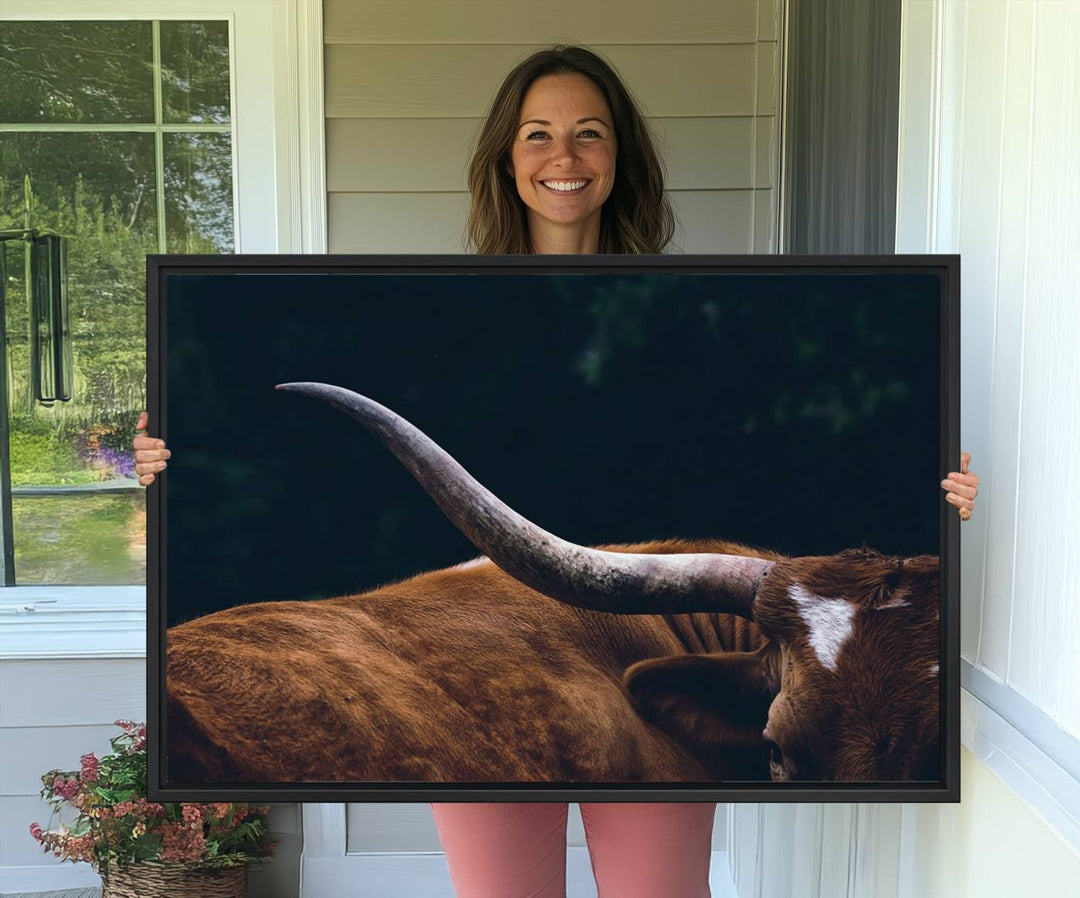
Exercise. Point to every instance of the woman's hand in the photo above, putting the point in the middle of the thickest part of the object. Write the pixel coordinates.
(150, 453)
(960, 487)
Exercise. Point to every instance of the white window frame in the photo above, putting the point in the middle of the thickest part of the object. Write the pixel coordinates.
(279, 206)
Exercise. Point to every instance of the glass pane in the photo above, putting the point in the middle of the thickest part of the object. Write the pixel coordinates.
(81, 540)
(195, 72)
(76, 72)
(98, 191)
(198, 193)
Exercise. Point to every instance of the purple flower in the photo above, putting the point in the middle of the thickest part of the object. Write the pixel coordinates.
(119, 462)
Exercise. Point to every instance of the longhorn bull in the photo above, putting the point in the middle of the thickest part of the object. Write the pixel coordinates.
(672, 661)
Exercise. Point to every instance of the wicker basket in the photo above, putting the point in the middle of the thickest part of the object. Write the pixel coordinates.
(148, 880)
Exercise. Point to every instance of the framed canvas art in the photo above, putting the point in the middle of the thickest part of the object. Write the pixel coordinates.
(466, 528)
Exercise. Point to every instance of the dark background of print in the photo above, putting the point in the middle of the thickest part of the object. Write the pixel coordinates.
(797, 412)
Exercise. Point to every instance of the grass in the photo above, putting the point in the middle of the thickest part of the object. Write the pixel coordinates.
(84, 539)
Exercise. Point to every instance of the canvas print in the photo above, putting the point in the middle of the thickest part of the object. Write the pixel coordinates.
(551, 528)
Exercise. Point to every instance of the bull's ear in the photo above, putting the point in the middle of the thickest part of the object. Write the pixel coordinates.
(713, 705)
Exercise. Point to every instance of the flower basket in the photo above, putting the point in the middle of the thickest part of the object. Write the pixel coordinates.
(143, 848)
(173, 881)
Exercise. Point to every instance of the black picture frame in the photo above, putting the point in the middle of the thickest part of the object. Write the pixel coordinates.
(162, 272)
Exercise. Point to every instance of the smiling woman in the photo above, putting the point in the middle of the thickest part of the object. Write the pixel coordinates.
(563, 116)
(563, 162)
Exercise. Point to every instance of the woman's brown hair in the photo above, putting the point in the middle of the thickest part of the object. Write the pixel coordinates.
(637, 216)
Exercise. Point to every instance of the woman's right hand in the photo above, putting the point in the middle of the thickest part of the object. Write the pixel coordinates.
(150, 453)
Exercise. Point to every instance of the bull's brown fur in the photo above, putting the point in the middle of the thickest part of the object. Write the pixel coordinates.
(465, 675)
(458, 675)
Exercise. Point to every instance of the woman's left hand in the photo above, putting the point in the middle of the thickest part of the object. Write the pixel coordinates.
(961, 487)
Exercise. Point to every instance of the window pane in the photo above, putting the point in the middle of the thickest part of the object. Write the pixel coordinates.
(98, 190)
(198, 193)
(76, 72)
(195, 72)
(81, 540)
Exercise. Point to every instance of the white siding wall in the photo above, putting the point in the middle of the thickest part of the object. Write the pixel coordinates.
(54, 711)
(1014, 213)
(989, 168)
(407, 84)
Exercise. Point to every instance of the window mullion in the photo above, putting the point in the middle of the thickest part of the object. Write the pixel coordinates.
(7, 545)
(90, 127)
(159, 137)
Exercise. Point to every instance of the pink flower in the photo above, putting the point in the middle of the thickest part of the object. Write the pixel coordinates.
(66, 789)
(220, 809)
(181, 841)
(192, 813)
(35, 831)
(146, 808)
(89, 768)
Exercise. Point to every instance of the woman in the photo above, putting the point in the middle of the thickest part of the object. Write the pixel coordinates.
(565, 164)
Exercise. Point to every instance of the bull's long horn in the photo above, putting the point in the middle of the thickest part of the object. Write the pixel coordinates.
(589, 578)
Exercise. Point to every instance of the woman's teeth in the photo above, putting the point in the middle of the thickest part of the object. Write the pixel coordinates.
(564, 186)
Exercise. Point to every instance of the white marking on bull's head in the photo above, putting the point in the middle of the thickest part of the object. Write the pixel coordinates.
(934, 669)
(829, 622)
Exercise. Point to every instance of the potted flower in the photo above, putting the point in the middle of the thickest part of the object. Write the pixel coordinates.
(142, 847)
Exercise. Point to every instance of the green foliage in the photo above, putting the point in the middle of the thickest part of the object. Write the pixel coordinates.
(38, 458)
(117, 825)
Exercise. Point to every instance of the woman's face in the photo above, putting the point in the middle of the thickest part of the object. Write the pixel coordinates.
(563, 154)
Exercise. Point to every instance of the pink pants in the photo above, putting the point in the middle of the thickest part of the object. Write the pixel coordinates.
(519, 850)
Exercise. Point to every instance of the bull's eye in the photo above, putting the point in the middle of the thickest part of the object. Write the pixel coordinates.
(776, 757)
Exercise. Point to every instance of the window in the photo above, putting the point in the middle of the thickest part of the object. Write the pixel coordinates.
(116, 135)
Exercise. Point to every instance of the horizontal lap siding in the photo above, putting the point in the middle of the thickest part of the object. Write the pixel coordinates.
(53, 712)
(524, 22)
(425, 155)
(27, 752)
(460, 80)
(708, 221)
(408, 84)
(76, 692)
